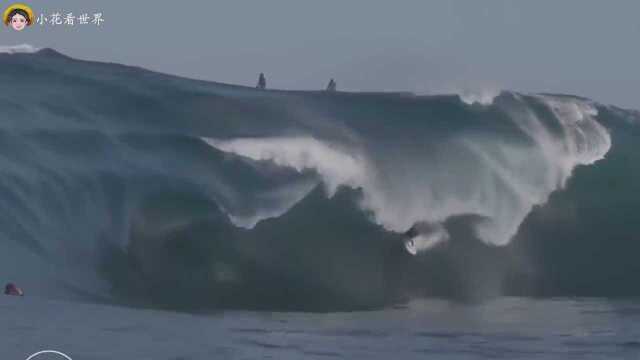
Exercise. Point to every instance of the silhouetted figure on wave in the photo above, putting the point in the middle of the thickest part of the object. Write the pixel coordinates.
(262, 82)
(332, 86)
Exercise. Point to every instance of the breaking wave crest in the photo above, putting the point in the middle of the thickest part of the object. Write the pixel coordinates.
(18, 49)
(507, 176)
(132, 187)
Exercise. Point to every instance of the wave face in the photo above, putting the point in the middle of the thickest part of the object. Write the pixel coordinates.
(125, 186)
(422, 173)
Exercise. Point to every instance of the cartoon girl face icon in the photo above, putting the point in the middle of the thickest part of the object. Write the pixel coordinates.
(19, 16)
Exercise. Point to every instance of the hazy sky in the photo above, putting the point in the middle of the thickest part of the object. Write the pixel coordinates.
(584, 47)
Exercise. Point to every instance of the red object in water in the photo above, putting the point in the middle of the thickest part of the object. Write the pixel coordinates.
(12, 289)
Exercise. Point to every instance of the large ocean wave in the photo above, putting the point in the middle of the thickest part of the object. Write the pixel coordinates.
(127, 186)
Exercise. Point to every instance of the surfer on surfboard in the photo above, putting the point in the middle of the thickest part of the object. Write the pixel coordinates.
(13, 290)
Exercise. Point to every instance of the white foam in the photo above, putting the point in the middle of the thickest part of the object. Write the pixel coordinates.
(483, 96)
(336, 166)
(17, 49)
(490, 175)
(281, 201)
(531, 174)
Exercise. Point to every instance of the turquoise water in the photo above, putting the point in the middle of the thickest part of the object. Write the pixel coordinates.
(508, 328)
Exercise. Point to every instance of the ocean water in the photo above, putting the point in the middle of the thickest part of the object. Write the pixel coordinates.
(148, 216)
(504, 328)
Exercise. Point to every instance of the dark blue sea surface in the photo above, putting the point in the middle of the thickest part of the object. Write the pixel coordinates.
(506, 328)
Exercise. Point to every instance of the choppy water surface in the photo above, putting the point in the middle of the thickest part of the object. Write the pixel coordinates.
(508, 328)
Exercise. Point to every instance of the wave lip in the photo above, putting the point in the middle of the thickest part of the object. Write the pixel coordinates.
(18, 49)
(511, 176)
(484, 96)
(336, 167)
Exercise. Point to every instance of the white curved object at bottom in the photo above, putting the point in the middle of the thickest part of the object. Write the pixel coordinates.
(49, 352)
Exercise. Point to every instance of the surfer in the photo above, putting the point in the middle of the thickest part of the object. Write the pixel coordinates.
(262, 82)
(13, 290)
(423, 236)
(332, 86)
